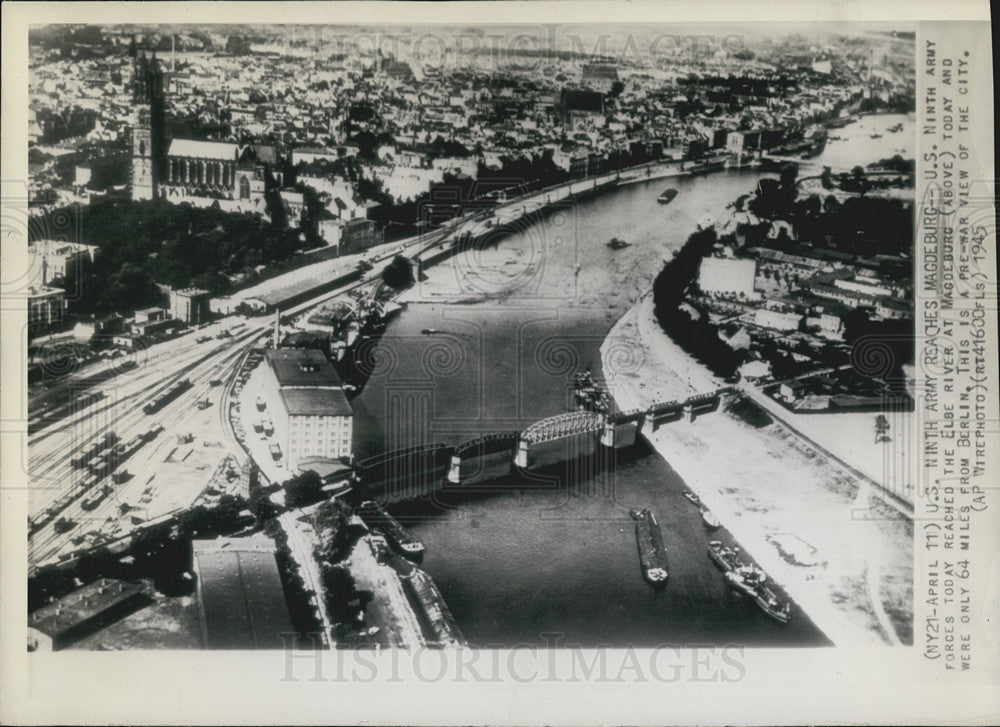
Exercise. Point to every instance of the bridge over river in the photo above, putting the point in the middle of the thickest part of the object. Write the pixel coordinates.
(409, 473)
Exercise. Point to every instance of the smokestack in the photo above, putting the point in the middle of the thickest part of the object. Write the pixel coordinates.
(173, 53)
(277, 327)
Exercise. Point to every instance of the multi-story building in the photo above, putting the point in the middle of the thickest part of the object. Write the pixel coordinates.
(190, 305)
(46, 309)
(305, 400)
(360, 234)
(56, 259)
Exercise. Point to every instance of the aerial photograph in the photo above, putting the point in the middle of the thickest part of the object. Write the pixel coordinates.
(497, 336)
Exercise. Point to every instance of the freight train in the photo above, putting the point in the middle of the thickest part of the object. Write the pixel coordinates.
(167, 396)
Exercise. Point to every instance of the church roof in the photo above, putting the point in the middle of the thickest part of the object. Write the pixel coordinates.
(220, 150)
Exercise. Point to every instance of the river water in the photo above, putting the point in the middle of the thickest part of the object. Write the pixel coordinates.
(557, 559)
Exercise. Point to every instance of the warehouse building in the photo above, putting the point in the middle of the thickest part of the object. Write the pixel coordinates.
(307, 406)
(241, 602)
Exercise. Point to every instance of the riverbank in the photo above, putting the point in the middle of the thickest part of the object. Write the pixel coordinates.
(511, 364)
(546, 255)
(841, 554)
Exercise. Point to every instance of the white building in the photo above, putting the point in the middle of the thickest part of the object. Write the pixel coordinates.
(55, 258)
(306, 403)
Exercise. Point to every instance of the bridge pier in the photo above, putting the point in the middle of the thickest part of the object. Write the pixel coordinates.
(521, 458)
(455, 470)
(608, 434)
(688, 413)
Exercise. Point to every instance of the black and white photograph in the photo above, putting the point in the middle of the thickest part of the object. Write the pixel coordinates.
(464, 336)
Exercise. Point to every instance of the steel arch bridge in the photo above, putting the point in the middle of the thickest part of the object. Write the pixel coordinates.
(563, 425)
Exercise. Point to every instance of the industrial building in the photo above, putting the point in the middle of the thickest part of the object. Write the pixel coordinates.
(241, 602)
(728, 276)
(82, 612)
(189, 305)
(306, 403)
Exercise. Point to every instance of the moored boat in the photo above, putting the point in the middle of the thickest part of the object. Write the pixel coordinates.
(375, 516)
(752, 583)
(695, 500)
(726, 558)
(711, 522)
(667, 196)
(652, 554)
(768, 602)
(744, 579)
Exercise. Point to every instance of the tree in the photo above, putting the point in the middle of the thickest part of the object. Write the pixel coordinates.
(788, 175)
(237, 45)
(398, 274)
(332, 522)
(881, 428)
(303, 489)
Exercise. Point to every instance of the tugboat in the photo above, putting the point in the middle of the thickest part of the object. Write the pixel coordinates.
(615, 244)
(652, 554)
(711, 522)
(668, 196)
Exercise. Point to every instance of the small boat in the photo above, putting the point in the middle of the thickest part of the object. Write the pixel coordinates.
(429, 331)
(615, 244)
(876, 135)
(668, 196)
(695, 500)
(711, 522)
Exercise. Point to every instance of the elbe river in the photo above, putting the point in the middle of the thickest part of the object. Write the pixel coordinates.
(556, 563)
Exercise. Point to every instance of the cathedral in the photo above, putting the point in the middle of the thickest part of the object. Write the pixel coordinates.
(203, 173)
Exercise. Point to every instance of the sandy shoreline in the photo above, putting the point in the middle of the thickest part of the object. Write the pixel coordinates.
(842, 555)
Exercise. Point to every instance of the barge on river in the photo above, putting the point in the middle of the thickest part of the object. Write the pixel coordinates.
(652, 554)
(375, 517)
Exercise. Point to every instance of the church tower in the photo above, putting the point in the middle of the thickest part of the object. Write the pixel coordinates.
(148, 128)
